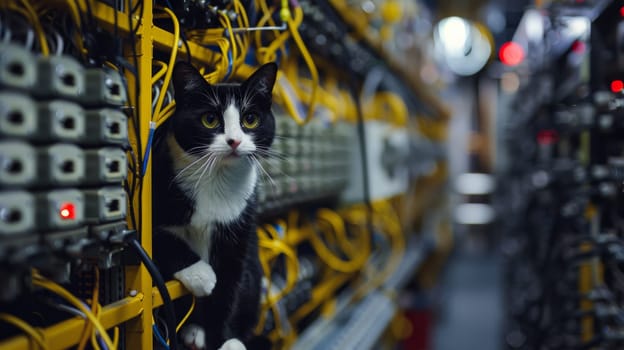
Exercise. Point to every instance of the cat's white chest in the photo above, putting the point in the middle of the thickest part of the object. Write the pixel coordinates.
(223, 197)
(219, 198)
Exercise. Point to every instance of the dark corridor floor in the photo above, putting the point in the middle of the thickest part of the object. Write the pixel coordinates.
(470, 315)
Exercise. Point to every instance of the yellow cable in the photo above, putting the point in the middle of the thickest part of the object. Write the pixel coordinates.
(188, 314)
(292, 268)
(73, 8)
(95, 295)
(333, 261)
(41, 281)
(292, 26)
(94, 342)
(213, 37)
(172, 59)
(170, 108)
(268, 239)
(33, 333)
(242, 38)
(278, 42)
(184, 319)
(389, 223)
(34, 19)
(225, 21)
(387, 106)
(338, 226)
(116, 338)
(161, 72)
(268, 54)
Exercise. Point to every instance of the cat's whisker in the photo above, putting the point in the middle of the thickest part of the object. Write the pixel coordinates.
(189, 166)
(269, 151)
(281, 172)
(208, 165)
(274, 154)
(192, 166)
(284, 174)
(259, 164)
(197, 149)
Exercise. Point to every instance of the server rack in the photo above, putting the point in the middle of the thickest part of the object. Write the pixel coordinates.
(139, 297)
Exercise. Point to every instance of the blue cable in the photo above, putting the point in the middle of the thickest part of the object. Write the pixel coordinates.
(148, 148)
(226, 34)
(159, 337)
(230, 64)
(99, 336)
(102, 343)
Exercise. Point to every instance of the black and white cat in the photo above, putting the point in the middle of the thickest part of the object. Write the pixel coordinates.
(205, 171)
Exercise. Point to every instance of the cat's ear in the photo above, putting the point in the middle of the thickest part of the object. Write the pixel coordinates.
(262, 80)
(186, 78)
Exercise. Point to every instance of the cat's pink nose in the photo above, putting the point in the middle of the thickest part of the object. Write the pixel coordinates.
(233, 143)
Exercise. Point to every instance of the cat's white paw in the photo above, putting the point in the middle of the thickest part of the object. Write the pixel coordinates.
(233, 344)
(193, 337)
(198, 278)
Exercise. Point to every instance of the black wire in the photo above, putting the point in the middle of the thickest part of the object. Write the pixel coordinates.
(82, 20)
(136, 7)
(116, 40)
(188, 48)
(170, 318)
(137, 110)
(90, 13)
(363, 156)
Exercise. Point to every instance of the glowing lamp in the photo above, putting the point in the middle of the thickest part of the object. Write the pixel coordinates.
(617, 86)
(67, 211)
(511, 53)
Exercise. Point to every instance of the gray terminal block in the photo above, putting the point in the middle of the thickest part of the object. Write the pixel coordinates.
(62, 164)
(60, 76)
(61, 121)
(106, 126)
(18, 68)
(105, 204)
(17, 212)
(18, 115)
(106, 165)
(60, 209)
(104, 87)
(18, 164)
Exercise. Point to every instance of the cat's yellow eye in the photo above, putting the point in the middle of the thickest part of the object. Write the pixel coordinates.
(251, 121)
(210, 121)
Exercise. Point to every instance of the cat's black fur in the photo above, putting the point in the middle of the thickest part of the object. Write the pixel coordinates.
(231, 311)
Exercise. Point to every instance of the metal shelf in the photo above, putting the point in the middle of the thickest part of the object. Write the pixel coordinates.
(359, 326)
(66, 334)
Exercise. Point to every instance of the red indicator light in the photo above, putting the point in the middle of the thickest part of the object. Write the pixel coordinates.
(617, 85)
(578, 47)
(67, 211)
(511, 53)
(547, 137)
(622, 11)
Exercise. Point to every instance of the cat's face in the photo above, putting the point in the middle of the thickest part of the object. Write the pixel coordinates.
(228, 122)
